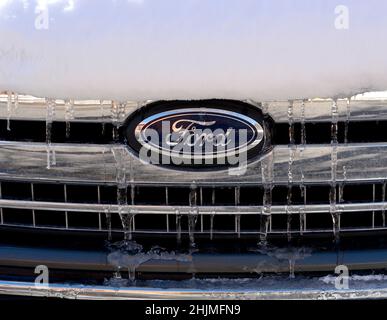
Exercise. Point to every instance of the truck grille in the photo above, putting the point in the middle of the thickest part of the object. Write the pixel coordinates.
(219, 210)
(328, 174)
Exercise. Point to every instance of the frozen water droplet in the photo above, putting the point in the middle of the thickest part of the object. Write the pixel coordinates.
(193, 214)
(267, 164)
(117, 113)
(108, 217)
(69, 115)
(348, 115)
(178, 226)
(102, 108)
(384, 200)
(9, 110)
(237, 215)
(50, 114)
(303, 130)
(291, 123)
(212, 216)
(16, 101)
(292, 152)
(125, 213)
(335, 213)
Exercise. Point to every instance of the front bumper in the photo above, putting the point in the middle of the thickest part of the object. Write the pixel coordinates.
(81, 292)
(277, 286)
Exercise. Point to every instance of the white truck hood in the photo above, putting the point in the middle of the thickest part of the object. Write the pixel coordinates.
(192, 49)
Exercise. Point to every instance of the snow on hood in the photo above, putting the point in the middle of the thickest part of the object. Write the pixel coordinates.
(191, 49)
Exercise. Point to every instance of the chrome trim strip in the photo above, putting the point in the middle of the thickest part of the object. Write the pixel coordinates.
(185, 210)
(84, 292)
(97, 164)
(316, 110)
(280, 232)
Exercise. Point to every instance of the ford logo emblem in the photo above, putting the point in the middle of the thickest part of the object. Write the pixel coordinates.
(198, 133)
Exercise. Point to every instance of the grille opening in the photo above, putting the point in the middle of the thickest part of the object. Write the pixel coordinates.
(91, 132)
(28, 131)
(279, 222)
(317, 194)
(48, 192)
(225, 196)
(251, 196)
(251, 222)
(320, 132)
(224, 223)
(108, 194)
(178, 195)
(154, 222)
(116, 223)
(83, 220)
(165, 222)
(17, 216)
(320, 221)
(360, 193)
(356, 219)
(50, 219)
(82, 132)
(367, 131)
(208, 196)
(150, 196)
(82, 194)
(35, 131)
(16, 190)
(280, 195)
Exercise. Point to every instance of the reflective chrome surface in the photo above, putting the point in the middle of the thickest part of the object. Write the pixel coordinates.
(316, 110)
(96, 164)
(118, 293)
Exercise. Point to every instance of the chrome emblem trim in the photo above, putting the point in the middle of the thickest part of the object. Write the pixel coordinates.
(198, 134)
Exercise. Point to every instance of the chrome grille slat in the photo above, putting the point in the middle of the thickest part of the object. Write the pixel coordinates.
(96, 164)
(186, 210)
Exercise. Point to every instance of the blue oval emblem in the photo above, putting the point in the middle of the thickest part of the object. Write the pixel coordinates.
(196, 135)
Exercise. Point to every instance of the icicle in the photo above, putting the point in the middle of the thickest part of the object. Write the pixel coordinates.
(108, 223)
(69, 115)
(348, 115)
(267, 164)
(126, 215)
(291, 123)
(193, 214)
(332, 194)
(303, 207)
(373, 201)
(292, 152)
(212, 216)
(303, 130)
(16, 101)
(334, 123)
(9, 110)
(101, 105)
(237, 216)
(51, 156)
(292, 264)
(178, 226)
(342, 185)
(117, 116)
(384, 200)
